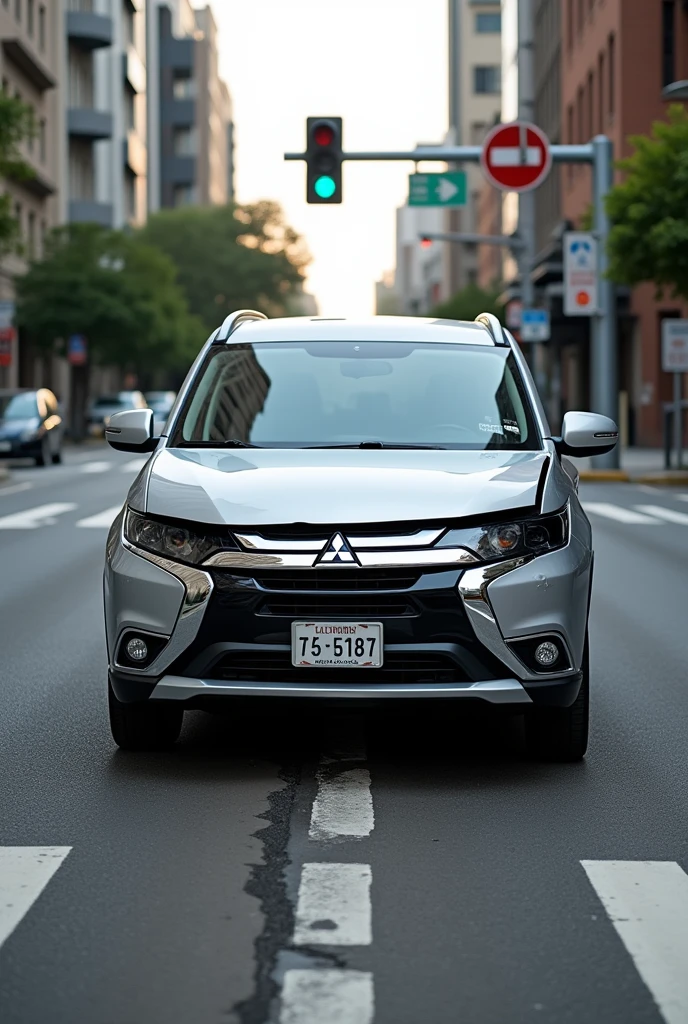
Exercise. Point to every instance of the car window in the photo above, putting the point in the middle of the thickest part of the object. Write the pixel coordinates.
(291, 394)
(18, 407)
(108, 400)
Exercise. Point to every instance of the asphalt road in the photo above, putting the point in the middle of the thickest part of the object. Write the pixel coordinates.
(469, 885)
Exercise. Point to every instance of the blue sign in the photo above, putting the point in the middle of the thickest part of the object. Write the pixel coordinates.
(535, 325)
(77, 350)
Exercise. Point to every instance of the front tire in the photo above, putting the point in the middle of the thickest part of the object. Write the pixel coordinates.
(144, 725)
(561, 734)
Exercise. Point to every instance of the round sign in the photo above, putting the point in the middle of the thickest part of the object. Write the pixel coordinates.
(516, 157)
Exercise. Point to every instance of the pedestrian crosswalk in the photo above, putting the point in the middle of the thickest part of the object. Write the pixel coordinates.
(642, 514)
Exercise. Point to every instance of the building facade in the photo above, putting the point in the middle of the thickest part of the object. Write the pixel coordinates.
(189, 109)
(617, 58)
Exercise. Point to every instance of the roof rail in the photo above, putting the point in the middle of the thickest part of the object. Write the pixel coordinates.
(231, 323)
(493, 325)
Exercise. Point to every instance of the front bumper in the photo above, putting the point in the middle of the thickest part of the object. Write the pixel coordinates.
(225, 633)
(21, 449)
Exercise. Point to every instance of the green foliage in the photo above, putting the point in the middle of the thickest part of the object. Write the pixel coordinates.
(231, 257)
(587, 220)
(469, 303)
(649, 209)
(118, 292)
(16, 124)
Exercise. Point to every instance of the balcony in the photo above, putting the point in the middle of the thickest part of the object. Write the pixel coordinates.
(135, 154)
(23, 57)
(179, 170)
(89, 31)
(86, 123)
(40, 186)
(87, 211)
(179, 113)
(178, 54)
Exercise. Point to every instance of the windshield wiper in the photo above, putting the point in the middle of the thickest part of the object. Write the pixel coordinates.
(380, 444)
(230, 442)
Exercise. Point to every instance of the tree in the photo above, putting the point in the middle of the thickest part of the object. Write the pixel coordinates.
(231, 257)
(118, 292)
(649, 209)
(469, 303)
(16, 124)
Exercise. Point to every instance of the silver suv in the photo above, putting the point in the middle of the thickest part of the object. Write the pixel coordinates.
(367, 510)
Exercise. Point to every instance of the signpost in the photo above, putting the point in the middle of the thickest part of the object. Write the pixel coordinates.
(581, 274)
(535, 325)
(445, 189)
(675, 360)
(516, 157)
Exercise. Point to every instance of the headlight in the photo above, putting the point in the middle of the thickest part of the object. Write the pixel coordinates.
(171, 540)
(511, 539)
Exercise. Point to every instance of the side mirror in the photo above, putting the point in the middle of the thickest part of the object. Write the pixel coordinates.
(131, 431)
(586, 433)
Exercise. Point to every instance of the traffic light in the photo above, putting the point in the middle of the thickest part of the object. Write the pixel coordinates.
(324, 160)
(425, 243)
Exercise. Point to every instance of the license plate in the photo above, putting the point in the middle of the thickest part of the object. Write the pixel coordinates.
(5, 446)
(336, 644)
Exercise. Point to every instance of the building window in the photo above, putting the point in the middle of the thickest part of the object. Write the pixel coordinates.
(184, 88)
(5, 85)
(31, 138)
(18, 9)
(185, 195)
(30, 16)
(611, 71)
(128, 25)
(31, 235)
(487, 79)
(44, 235)
(485, 23)
(668, 43)
(41, 27)
(80, 66)
(590, 126)
(18, 216)
(129, 109)
(600, 93)
(41, 140)
(81, 170)
(185, 142)
(478, 133)
(130, 195)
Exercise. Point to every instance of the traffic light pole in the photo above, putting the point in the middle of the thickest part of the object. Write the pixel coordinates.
(599, 154)
(512, 242)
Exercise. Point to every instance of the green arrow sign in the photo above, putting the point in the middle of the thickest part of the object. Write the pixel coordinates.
(445, 189)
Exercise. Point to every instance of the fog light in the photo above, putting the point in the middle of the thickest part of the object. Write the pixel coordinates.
(546, 654)
(138, 650)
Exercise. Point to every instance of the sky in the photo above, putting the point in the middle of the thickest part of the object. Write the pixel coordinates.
(379, 64)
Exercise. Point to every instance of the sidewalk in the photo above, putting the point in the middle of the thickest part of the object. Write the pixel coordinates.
(639, 465)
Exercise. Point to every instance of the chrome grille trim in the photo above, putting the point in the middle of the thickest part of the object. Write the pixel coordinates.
(419, 539)
(367, 559)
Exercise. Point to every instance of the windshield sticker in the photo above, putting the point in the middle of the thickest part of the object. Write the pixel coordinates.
(490, 428)
(512, 426)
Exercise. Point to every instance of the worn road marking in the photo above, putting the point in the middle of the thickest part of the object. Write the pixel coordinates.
(682, 497)
(647, 902)
(333, 906)
(24, 873)
(617, 512)
(133, 466)
(30, 518)
(326, 996)
(95, 467)
(664, 513)
(343, 807)
(15, 488)
(101, 519)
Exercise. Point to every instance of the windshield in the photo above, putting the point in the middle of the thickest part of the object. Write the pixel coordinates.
(18, 407)
(281, 395)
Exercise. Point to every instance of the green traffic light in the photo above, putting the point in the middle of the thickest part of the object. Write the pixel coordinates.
(325, 187)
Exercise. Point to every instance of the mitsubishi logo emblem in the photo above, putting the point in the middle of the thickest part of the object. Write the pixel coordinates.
(336, 552)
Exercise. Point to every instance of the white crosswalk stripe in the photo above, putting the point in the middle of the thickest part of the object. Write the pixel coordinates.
(647, 902)
(669, 514)
(31, 518)
(95, 467)
(102, 519)
(619, 513)
(134, 466)
(24, 873)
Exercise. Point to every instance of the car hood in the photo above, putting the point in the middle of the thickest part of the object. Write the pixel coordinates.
(13, 428)
(280, 486)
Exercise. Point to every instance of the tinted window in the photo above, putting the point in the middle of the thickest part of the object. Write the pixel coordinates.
(319, 393)
(18, 407)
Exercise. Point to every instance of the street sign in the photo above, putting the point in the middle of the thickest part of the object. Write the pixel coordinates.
(516, 157)
(675, 346)
(514, 309)
(535, 325)
(446, 189)
(8, 332)
(77, 350)
(581, 279)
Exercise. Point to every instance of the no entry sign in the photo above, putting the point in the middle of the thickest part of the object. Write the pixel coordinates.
(516, 157)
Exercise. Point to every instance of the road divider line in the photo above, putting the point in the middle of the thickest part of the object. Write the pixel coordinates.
(101, 520)
(647, 902)
(31, 518)
(669, 514)
(333, 906)
(343, 806)
(24, 873)
(95, 467)
(327, 996)
(619, 513)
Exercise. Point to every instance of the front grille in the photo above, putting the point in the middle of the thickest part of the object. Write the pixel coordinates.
(333, 580)
(336, 605)
(275, 666)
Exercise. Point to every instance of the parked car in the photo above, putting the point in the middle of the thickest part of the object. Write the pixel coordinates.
(161, 403)
(363, 511)
(105, 406)
(31, 426)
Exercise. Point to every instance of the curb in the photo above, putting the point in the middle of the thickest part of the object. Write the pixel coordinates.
(605, 475)
(676, 477)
